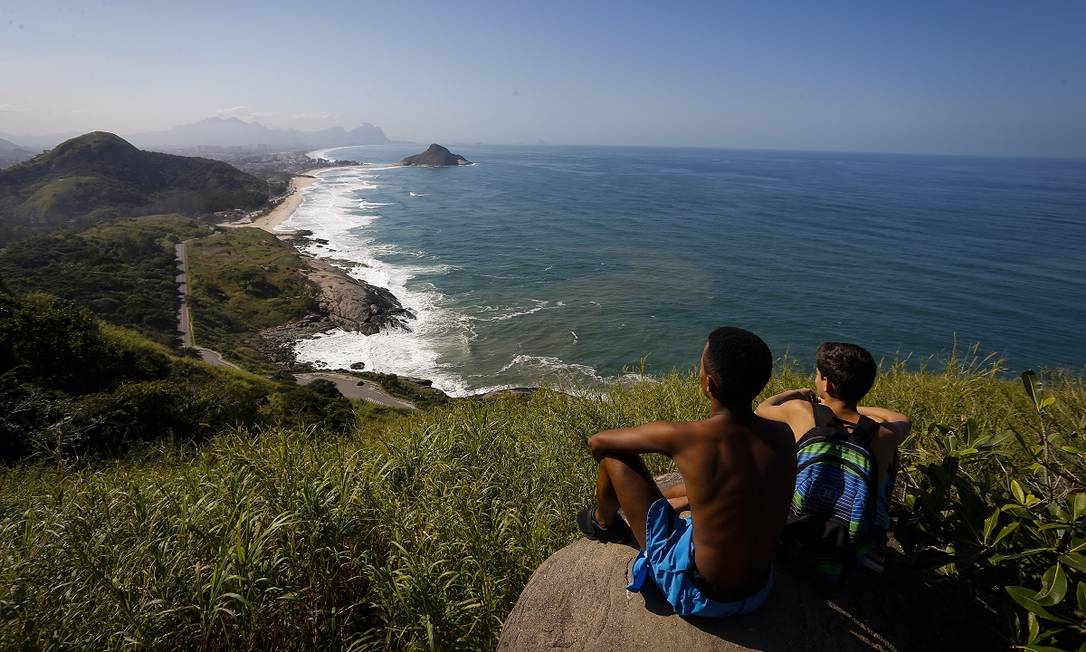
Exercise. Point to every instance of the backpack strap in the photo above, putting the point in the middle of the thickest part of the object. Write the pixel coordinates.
(866, 430)
(863, 432)
(823, 416)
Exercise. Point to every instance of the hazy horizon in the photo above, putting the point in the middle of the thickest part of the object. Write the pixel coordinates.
(972, 78)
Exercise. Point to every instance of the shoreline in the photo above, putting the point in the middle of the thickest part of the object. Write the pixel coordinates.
(282, 212)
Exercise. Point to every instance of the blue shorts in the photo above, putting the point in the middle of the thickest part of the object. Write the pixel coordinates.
(668, 558)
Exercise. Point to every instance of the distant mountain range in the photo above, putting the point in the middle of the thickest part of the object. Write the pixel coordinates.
(232, 132)
(98, 176)
(10, 153)
(215, 132)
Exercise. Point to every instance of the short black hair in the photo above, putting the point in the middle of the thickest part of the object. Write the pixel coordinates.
(849, 367)
(739, 363)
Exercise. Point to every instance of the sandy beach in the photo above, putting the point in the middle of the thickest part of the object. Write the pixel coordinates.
(286, 208)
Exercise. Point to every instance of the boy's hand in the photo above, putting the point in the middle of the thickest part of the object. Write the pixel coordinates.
(804, 394)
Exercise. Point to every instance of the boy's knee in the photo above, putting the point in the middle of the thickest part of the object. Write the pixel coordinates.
(615, 464)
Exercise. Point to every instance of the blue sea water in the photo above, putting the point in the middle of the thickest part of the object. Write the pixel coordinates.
(556, 264)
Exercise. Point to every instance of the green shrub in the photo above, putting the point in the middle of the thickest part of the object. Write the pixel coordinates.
(124, 271)
(1007, 522)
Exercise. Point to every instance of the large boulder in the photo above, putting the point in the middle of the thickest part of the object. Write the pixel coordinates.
(576, 600)
(355, 305)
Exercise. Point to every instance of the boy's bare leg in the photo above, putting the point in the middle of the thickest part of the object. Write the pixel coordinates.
(625, 482)
(676, 495)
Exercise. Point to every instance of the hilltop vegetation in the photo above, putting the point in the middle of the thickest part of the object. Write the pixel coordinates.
(420, 532)
(73, 386)
(97, 176)
(123, 271)
(241, 282)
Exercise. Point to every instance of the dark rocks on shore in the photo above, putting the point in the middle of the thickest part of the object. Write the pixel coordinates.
(355, 305)
(435, 156)
(358, 366)
(344, 302)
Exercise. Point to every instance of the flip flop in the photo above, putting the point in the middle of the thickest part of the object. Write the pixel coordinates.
(619, 531)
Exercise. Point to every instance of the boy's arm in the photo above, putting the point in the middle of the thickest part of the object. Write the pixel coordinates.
(788, 407)
(896, 422)
(655, 437)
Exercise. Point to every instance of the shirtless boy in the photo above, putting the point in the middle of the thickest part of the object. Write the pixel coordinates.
(739, 473)
(844, 373)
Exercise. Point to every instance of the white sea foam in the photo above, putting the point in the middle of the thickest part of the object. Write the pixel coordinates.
(332, 211)
(514, 312)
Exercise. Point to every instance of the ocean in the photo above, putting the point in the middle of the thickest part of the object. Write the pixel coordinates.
(574, 265)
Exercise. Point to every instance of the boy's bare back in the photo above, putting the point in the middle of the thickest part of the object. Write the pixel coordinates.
(739, 478)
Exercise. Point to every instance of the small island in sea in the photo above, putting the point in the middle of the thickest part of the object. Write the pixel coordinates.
(435, 156)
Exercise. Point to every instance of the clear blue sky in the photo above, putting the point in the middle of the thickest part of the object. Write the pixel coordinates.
(983, 77)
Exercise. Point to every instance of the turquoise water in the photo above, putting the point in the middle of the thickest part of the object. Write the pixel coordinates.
(577, 263)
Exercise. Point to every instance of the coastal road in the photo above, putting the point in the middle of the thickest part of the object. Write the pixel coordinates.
(352, 387)
(349, 386)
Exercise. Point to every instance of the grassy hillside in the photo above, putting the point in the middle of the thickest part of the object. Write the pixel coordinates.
(72, 386)
(97, 176)
(243, 281)
(123, 271)
(420, 533)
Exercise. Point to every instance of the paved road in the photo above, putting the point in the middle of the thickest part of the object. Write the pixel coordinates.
(184, 318)
(352, 387)
(348, 385)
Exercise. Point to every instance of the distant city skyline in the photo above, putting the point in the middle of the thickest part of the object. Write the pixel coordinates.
(986, 78)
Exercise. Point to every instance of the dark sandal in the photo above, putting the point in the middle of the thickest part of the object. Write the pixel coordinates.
(591, 528)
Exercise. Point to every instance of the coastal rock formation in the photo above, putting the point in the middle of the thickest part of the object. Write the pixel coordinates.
(435, 156)
(355, 305)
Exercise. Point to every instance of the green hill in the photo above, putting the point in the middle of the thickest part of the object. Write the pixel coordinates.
(72, 386)
(98, 176)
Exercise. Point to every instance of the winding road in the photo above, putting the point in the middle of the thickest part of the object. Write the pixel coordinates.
(347, 385)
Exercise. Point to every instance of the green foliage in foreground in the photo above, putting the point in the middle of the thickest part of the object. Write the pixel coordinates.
(123, 271)
(420, 533)
(242, 281)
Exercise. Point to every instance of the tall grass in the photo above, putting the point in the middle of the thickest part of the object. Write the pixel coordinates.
(417, 533)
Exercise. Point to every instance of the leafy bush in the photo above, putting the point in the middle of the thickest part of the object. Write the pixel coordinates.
(1007, 522)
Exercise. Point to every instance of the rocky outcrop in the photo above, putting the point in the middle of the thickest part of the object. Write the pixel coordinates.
(576, 600)
(435, 156)
(355, 305)
(345, 302)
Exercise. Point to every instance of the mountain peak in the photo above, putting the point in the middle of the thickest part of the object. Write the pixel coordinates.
(96, 144)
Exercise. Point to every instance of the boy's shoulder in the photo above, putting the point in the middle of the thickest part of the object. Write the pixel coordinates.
(726, 428)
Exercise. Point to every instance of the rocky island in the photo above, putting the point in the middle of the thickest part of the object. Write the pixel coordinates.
(435, 156)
